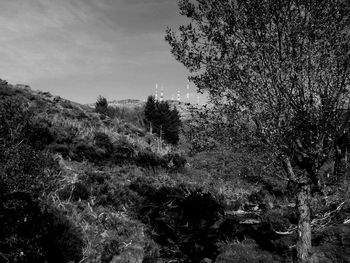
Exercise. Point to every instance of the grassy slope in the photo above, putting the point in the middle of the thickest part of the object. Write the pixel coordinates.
(105, 209)
(124, 208)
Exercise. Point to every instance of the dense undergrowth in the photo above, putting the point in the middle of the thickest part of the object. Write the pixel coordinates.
(79, 186)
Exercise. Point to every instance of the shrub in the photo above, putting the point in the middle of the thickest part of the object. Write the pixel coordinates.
(83, 150)
(123, 152)
(175, 161)
(149, 160)
(333, 244)
(76, 191)
(115, 195)
(22, 168)
(62, 241)
(33, 233)
(19, 125)
(39, 133)
(110, 250)
(247, 252)
(181, 223)
(102, 140)
(63, 149)
(64, 135)
(201, 210)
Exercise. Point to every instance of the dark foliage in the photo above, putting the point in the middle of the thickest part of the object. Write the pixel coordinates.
(110, 250)
(333, 244)
(24, 166)
(62, 149)
(74, 192)
(101, 105)
(162, 120)
(123, 152)
(115, 195)
(103, 141)
(32, 233)
(39, 134)
(149, 160)
(245, 252)
(24, 169)
(201, 210)
(175, 162)
(65, 135)
(19, 125)
(182, 222)
(83, 150)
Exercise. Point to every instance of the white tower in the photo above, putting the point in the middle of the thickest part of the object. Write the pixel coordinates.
(198, 99)
(162, 94)
(188, 90)
(156, 97)
(178, 96)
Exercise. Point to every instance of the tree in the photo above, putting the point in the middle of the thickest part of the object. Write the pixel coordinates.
(286, 63)
(150, 109)
(162, 120)
(101, 105)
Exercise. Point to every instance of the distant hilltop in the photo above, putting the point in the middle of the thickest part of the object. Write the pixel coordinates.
(182, 107)
(130, 103)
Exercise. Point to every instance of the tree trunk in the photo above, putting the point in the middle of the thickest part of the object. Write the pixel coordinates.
(304, 227)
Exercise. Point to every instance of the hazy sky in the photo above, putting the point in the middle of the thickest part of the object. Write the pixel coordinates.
(79, 49)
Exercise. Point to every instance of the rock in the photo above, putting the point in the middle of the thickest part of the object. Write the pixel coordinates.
(206, 260)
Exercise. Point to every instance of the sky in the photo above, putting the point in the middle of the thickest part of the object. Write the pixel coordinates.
(80, 49)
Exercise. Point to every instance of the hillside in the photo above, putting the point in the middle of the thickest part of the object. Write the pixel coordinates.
(83, 187)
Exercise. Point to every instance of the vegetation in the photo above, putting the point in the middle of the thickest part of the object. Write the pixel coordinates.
(285, 65)
(162, 120)
(101, 105)
(84, 186)
(32, 230)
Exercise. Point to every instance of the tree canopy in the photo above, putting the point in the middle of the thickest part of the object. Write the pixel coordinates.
(286, 64)
(162, 120)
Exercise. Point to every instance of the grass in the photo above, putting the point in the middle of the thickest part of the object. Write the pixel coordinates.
(140, 207)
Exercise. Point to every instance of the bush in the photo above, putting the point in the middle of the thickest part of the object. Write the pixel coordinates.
(201, 210)
(22, 168)
(83, 150)
(110, 250)
(115, 195)
(103, 141)
(247, 252)
(62, 149)
(76, 191)
(39, 133)
(64, 135)
(333, 244)
(175, 161)
(123, 152)
(149, 160)
(181, 223)
(33, 233)
(19, 125)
